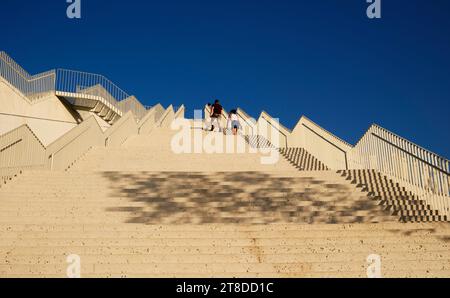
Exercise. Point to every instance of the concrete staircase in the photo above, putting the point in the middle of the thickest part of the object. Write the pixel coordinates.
(302, 159)
(403, 204)
(141, 210)
(297, 157)
(135, 250)
(393, 196)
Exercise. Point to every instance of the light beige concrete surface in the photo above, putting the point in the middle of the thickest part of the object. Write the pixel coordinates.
(141, 210)
(154, 153)
(49, 118)
(101, 122)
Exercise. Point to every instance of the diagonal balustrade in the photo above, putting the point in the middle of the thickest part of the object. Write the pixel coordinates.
(84, 90)
(33, 87)
(422, 172)
(21, 150)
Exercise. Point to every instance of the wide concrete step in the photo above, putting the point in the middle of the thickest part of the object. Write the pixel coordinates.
(406, 228)
(329, 249)
(284, 269)
(300, 200)
(141, 210)
(213, 219)
(214, 242)
(221, 258)
(281, 234)
(39, 175)
(199, 189)
(205, 209)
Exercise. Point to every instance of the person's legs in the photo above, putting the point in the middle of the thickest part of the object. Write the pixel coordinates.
(212, 123)
(218, 124)
(208, 123)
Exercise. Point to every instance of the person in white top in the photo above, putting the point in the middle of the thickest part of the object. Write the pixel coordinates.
(207, 123)
(234, 119)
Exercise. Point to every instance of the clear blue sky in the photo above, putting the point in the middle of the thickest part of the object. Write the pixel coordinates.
(320, 58)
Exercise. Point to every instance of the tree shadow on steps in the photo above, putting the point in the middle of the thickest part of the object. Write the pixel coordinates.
(244, 198)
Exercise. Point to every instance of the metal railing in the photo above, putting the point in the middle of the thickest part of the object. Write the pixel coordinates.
(83, 83)
(20, 149)
(325, 146)
(80, 84)
(166, 118)
(247, 120)
(148, 122)
(33, 87)
(421, 171)
(282, 130)
(179, 112)
(70, 83)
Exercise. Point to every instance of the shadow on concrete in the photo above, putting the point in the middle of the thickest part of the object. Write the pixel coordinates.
(243, 198)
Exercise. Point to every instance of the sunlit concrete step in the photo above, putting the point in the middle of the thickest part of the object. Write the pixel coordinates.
(332, 248)
(220, 258)
(244, 255)
(212, 242)
(286, 269)
(397, 274)
(369, 228)
(150, 234)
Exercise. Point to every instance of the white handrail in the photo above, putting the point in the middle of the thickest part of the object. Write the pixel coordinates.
(69, 82)
(166, 117)
(417, 169)
(285, 132)
(247, 120)
(19, 149)
(148, 122)
(180, 112)
(33, 87)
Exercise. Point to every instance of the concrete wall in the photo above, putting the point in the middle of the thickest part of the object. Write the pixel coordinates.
(273, 130)
(102, 123)
(325, 146)
(49, 118)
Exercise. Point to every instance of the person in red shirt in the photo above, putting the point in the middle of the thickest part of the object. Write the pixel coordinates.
(216, 113)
